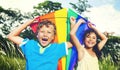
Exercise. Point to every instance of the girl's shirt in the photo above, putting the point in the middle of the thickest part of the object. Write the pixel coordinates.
(88, 62)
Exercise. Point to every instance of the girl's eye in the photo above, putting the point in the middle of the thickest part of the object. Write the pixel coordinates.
(88, 36)
(94, 37)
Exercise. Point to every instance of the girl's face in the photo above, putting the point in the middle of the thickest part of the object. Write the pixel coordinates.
(46, 35)
(90, 40)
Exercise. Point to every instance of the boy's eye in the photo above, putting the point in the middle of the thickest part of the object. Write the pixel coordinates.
(49, 32)
(41, 31)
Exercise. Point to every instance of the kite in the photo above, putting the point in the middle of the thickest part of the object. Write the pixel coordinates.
(61, 18)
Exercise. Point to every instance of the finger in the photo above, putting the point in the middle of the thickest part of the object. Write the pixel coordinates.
(37, 19)
(72, 18)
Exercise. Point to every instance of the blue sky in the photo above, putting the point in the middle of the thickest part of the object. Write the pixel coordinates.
(115, 3)
(104, 13)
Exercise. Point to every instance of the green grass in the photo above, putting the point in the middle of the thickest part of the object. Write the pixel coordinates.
(7, 63)
(10, 63)
(107, 64)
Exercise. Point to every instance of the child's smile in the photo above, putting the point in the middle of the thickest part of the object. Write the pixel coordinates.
(90, 40)
(46, 35)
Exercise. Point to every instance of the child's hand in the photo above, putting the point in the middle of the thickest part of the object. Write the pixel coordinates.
(81, 21)
(33, 21)
(72, 21)
(90, 25)
(36, 20)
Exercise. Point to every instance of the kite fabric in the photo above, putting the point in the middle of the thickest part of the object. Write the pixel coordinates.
(61, 19)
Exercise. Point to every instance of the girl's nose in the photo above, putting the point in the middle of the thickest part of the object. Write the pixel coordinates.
(90, 39)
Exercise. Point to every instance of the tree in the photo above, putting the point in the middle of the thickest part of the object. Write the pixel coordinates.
(81, 6)
(112, 48)
(46, 7)
(8, 17)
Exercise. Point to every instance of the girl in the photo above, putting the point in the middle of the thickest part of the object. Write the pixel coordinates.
(87, 56)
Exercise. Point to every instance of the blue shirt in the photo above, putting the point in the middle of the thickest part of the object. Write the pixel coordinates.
(38, 58)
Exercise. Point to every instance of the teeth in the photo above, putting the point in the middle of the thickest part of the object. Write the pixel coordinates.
(90, 42)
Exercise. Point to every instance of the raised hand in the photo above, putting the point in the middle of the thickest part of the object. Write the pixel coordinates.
(81, 21)
(36, 20)
(72, 21)
(90, 25)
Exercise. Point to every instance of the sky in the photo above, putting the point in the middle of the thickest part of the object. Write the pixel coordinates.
(105, 14)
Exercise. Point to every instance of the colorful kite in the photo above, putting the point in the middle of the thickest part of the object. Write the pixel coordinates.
(61, 18)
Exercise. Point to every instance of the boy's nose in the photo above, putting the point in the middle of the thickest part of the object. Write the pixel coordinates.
(45, 34)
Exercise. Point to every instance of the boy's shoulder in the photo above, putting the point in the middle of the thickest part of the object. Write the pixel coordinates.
(29, 41)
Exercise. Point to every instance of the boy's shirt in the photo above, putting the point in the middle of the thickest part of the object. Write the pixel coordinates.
(38, 58)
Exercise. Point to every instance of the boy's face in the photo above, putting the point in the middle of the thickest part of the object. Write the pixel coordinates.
(45, 35)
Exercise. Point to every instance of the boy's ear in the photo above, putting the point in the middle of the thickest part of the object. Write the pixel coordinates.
(37, 35)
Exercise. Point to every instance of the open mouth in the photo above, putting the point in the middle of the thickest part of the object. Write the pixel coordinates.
(44, 39)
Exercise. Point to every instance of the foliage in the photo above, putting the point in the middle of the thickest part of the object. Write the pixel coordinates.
(9, 19)
(112, 47)
(107, 64)
(81, 6)
(46, 7)
(9, 49)
(8, 63)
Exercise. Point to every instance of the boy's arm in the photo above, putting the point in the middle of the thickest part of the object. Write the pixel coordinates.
(14, 35)
(102, 36)
(75, 40)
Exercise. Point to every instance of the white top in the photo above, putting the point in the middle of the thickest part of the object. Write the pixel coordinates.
(88, 62)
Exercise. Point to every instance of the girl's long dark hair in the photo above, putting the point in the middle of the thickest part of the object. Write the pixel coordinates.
(95, 49)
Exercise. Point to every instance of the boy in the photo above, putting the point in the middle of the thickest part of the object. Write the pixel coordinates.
(41, 54)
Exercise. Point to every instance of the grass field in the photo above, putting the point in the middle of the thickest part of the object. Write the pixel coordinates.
(7, 63)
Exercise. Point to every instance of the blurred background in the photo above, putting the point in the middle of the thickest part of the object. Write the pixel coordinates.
(105, 14)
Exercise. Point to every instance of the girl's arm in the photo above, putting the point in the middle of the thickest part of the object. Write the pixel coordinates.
(14, 35)
(75, 40)
(102, 36)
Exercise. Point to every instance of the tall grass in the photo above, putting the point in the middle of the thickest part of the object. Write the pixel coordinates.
(107, 64)
(10, 63)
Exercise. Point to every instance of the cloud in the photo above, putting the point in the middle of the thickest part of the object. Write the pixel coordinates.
(105, 17)
(23, 5)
